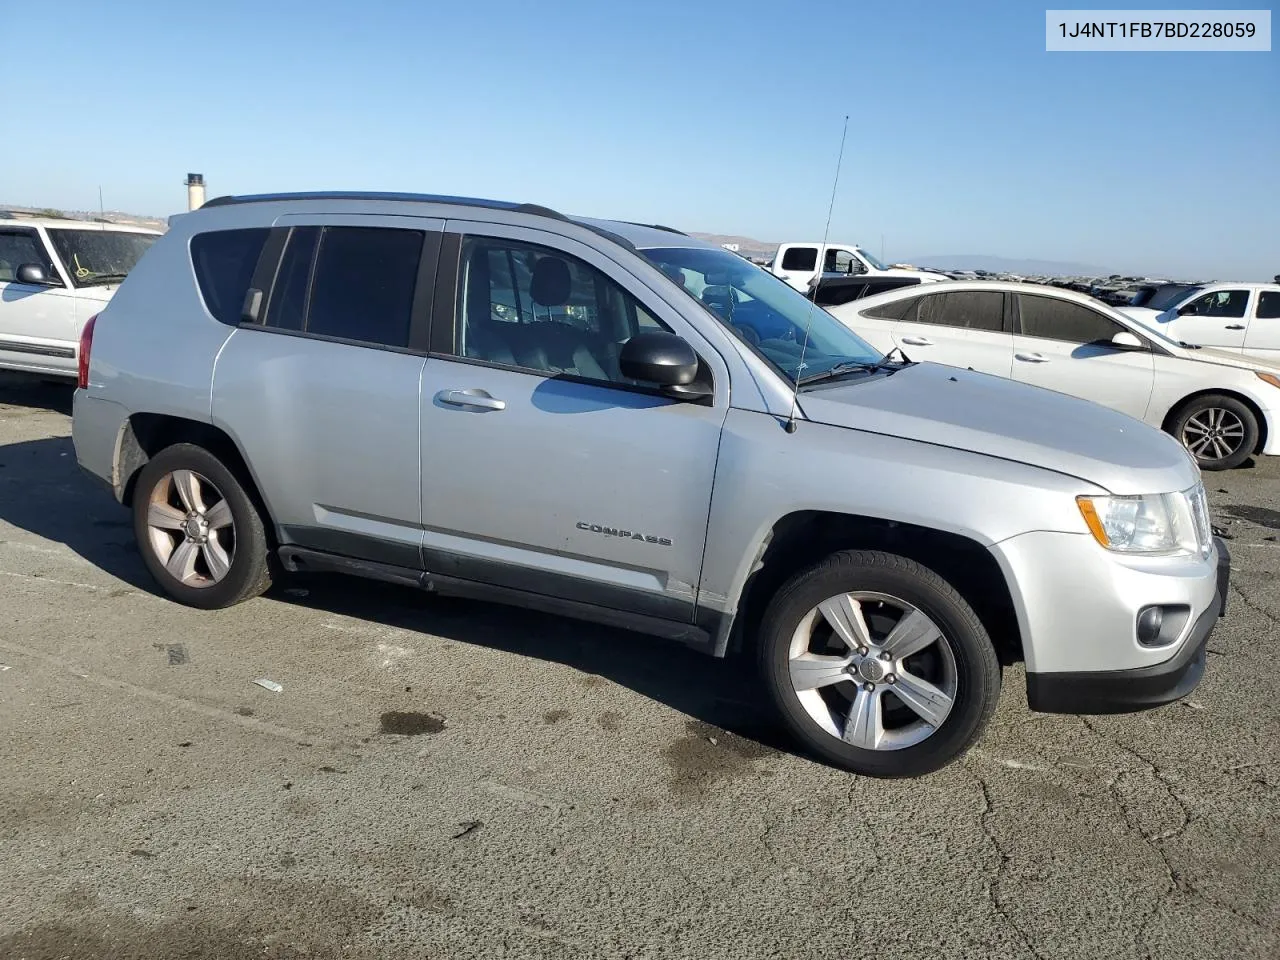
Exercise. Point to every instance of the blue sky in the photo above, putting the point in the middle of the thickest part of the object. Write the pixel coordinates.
(965, 137)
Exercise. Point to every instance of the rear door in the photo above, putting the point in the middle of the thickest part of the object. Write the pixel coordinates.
(1263, 336)
(964, 328)
(37, 322)
(321, 393)
(1066, 346)
(1219, 318)
(543, 469)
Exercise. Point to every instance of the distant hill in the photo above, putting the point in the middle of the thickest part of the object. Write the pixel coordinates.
(111, 216)
(970, 261)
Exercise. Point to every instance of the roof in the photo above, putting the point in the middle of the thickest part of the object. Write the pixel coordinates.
(627, 234)
(1001, 286)
(60, 223)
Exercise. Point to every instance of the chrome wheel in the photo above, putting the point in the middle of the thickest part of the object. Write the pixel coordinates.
(873, 671)
(190, 528)
(1214, 433)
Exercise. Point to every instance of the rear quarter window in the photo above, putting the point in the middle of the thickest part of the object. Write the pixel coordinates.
(224, 261)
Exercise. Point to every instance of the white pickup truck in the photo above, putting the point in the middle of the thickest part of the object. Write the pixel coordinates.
(797, 264)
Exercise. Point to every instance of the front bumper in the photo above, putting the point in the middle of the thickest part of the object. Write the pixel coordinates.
(1127, 691)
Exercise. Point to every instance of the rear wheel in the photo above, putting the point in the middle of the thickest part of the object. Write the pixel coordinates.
(199, 533)
(1220, 431)
(878, 665)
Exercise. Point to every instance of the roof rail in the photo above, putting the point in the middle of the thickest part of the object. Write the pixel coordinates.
(230, 200)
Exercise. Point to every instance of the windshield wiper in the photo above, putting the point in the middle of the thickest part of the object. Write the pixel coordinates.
(849, 366)
(89, 281)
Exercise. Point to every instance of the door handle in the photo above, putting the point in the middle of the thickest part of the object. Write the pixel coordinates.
(918, 341)
(1032, 357)
(475, 398)
(1235, 326)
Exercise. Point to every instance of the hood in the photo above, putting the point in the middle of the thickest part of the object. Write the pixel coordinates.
(1224, 358)
(956, 408)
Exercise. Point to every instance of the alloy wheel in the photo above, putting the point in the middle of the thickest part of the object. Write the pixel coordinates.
(873, 671)
(191, 529)
(1214, 434)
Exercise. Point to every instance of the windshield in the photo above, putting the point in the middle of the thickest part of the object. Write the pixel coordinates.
(764, 311)
(99, 256)
(871, 260)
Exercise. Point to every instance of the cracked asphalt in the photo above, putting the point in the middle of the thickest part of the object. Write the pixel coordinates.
(448, 779)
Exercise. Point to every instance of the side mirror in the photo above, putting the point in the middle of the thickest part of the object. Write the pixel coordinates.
(665, 360)
(1124, 340)
(33, 273)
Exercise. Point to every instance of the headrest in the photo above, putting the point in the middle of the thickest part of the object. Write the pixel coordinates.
(551, 284)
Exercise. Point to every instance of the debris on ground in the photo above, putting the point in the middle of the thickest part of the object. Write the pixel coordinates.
(468, 827)
(271, 685)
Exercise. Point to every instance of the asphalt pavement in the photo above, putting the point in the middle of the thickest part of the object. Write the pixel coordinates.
(450, 779)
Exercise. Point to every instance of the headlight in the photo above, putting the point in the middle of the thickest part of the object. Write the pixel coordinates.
(1158, 523)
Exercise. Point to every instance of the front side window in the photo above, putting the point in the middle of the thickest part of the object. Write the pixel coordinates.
(1269, 305)
(349, 283)
(842, 261)
(800, 258)
(224, 261)
(766, 313)
(18, 247)
(97, 257)
(527, 306)
(967, 310)
(1054, 319)
(1218, 303)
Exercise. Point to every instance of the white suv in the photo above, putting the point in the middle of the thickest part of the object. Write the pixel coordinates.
(54, 275)
(1239, 317)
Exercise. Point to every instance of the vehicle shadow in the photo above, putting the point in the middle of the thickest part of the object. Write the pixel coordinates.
(25, 390)
(43, 492)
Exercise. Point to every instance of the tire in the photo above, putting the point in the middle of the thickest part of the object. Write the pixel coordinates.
(1236, 426)
(887, 589)
(231, 563)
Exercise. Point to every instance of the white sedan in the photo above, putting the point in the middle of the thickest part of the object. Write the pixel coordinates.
(1239, 317)
(1224, 407)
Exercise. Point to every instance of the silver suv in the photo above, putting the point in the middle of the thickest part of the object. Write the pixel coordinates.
(580, 416)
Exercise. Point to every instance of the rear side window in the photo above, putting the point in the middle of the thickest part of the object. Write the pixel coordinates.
(1054, 319)
(352, 283)
(895, 310)
(224, 261)
(800, 258)
(969, 310)
(1269, 305)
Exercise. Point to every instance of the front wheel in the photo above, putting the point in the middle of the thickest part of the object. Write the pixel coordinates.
(878, 665)
(1220, 431)
(199, 532)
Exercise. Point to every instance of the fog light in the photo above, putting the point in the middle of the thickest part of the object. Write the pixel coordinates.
(1150, 620)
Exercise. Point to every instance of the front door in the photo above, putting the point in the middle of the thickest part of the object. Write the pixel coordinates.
(543, 468)
(37, 322)
(1065, 346)
(322, 394)
(1218, 319)
(965, 328)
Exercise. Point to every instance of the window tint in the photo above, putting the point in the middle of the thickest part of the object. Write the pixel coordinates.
(288, 307)
(18, 247)
(364, 283)
(968, 309)
(896, 310)
(1269, 305)
(526, 306)
(224, 262)
(800, 258)
(1220, 303)
(1055, 319)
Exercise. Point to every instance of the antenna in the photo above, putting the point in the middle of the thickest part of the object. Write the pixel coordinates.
(102, 210)
(813, 301)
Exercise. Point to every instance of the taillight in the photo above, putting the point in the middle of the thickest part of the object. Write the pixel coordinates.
(86, 344)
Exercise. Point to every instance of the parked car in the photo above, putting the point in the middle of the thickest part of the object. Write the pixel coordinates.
(1237, 317)
(797, 264)
(54, 275)
(1224, 408)
(492, 400)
